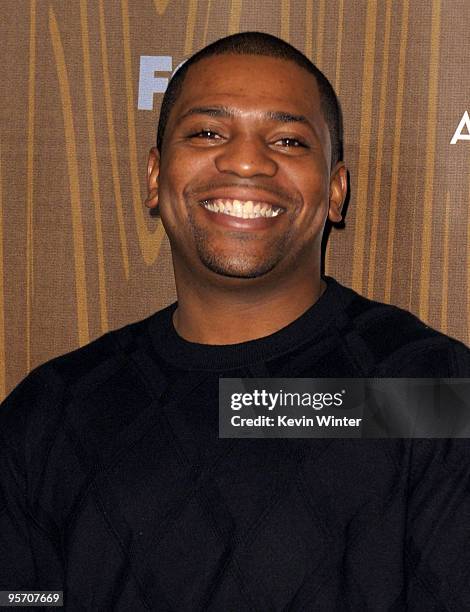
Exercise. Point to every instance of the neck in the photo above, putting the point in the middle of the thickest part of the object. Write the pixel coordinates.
(234, 314)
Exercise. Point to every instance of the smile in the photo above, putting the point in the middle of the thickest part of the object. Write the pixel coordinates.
(242, 209)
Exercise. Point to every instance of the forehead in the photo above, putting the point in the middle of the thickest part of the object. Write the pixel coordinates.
(253, 83)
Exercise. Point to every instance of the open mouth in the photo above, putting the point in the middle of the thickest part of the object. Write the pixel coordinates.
(248, 209)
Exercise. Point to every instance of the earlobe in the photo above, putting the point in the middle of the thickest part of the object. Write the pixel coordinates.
(338, 192)
(153, 170)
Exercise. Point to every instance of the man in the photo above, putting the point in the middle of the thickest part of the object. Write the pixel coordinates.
(115, 486)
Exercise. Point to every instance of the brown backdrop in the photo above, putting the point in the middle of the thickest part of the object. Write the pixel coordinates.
(78, 252)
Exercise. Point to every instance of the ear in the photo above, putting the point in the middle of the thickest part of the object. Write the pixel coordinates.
(153, 170)
(338, 192)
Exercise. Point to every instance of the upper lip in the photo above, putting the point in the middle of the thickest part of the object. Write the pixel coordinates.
(244, 195)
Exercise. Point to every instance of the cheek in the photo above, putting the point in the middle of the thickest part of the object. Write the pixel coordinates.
(310, 178)
(315, 195)
(172, 181)
(171, 173)
(181, 172)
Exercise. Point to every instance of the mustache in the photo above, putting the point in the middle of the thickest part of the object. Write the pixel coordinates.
(199, 190)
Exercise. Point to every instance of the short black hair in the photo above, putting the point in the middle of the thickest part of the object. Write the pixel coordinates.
(260, 43)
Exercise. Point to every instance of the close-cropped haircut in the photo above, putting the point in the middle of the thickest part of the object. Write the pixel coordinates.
(259, 43)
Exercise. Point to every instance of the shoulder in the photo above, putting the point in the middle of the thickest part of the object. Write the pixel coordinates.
(99, 359)
(96, 388)
(397, 343)
(70, 417)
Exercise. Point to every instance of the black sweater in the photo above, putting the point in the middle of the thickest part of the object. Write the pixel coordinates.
(115, 487)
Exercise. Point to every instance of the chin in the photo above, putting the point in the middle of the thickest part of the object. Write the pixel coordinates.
(238, 268)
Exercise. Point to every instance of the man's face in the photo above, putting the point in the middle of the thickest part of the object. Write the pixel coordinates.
(244, 180)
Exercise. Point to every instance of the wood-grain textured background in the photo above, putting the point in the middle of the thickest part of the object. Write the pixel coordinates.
(79, 254)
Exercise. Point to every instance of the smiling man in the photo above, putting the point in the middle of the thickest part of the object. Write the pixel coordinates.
(114, 484)
(245, 176)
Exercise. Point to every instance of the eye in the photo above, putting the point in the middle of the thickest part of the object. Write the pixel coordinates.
(205, 135)
(290, 143)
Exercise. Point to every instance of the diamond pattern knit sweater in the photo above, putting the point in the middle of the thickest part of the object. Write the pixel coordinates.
(115, 487)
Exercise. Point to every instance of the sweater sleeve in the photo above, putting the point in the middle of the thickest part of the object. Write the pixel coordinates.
(438, 529)
(438, 357)
(29, 542)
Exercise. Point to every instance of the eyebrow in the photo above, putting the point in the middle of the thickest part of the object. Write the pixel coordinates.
(226, 112)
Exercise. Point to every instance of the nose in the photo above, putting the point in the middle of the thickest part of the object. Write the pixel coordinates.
(246, 156)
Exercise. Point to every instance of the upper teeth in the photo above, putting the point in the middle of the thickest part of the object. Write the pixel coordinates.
(243, 210)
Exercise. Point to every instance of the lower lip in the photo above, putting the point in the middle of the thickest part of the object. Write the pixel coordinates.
(239, 223)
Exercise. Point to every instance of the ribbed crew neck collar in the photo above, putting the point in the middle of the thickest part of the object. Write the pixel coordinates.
(194, 356)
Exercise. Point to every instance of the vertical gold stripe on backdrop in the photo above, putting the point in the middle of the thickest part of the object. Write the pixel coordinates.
(396, 150)
(416, 227)
(339, 42)
(364, 140)
(190, 24)
(112, 143)
(376, 200)
(320, 32)
(30, 180)
(95, 180)
(309, 29)
(285, 19)
(2, 296)
(235, 14)
(149, 241)
(468, 269)
(445, 268)
(72, 164)
(160, 6)
(426, 223)
(206, 24)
